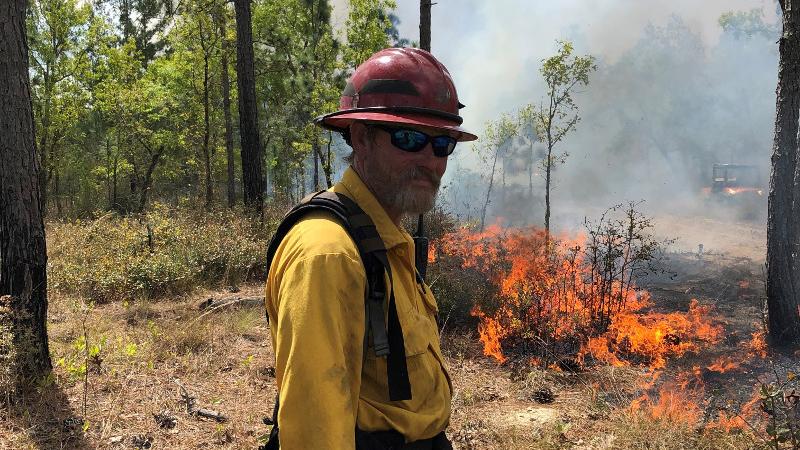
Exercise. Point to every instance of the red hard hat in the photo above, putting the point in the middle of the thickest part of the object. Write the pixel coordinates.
(400, 86)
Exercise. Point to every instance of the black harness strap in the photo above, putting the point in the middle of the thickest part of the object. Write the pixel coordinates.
(373, 254)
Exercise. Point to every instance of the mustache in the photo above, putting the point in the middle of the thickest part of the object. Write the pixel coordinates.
(422, 173)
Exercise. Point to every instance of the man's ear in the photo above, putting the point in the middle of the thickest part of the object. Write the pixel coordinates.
(359, 136)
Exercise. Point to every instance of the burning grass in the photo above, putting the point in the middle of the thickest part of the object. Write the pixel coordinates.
(574, 298)
(573, 302)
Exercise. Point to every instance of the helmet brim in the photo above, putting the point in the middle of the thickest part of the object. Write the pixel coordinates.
(341, 121)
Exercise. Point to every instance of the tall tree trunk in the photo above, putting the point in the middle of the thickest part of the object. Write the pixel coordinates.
(425, 24)
(489, 190)
(530, 174)
(226, 111)
(147, 183)
(23, 253)
(548, 169)
(57, 192)
(783, 271)
(325, 161)
(44, 178)
(328, 166)
(206, 120)
(317, 152)
(114, 199)
(252, 178)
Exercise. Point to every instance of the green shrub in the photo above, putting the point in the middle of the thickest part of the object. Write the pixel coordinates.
(164, 252)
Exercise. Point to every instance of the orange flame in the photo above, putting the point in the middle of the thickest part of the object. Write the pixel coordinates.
(674, 400)
(758, 344)
(432, 253)
(723, 364)
(651, 338)
(490, 332)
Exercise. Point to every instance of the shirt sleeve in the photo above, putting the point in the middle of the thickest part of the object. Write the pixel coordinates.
(318, 345)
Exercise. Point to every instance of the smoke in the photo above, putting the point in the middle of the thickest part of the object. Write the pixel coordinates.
(673, 94)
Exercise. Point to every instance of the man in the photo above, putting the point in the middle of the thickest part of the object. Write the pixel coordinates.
(399, 113)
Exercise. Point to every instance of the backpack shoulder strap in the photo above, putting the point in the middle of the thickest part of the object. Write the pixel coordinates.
(373, 255)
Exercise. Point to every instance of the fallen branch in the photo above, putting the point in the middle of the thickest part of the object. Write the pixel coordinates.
(210, 414)
(238, 301)
(191, 406)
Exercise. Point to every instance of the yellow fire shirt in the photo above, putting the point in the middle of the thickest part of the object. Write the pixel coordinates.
(315, 302)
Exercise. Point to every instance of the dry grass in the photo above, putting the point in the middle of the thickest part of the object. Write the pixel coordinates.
(224, 360)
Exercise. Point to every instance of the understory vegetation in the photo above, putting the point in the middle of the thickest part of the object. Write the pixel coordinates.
(163, 252)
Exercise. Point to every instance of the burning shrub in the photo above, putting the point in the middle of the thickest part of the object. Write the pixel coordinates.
(564, 298)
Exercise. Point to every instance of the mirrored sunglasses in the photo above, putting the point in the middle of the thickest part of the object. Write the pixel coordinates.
(410, 140)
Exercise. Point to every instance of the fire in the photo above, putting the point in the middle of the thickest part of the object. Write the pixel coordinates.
(723, 364)
(432, 253)
(545, 296)
(728, 421)
(490, 332)
(684, 400)
(758, 344)
(739, 190)
(651, 338)
(674, 400)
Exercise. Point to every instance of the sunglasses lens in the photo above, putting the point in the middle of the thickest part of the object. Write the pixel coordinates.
(409, 140)
(443, 145)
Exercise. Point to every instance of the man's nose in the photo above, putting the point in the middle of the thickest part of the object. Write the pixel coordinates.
(436, 164)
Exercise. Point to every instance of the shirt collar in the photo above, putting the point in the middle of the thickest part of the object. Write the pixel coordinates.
(352, 186)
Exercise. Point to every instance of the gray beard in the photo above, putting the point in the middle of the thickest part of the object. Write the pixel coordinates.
(395, 193)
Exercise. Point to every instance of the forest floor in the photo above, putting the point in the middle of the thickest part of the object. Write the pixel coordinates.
(131, 382)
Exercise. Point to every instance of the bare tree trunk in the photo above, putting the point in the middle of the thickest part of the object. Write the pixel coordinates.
(327, 167)
(548, 168)
(530, 174)
(489, 190)
(226, 108)
(317, 152)
(23, 253)
(44, 163)
(57, 192)
(252, 178)
(114, 200)
(206, 119)
(425, 24)
(783, 230)
(325, 161)
(146, 182)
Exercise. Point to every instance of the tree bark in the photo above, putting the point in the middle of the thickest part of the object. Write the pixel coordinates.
(206, 118)
(316, 150)
(548, 169)
(425, 24)
(23, 252)
(252, 178)
(489, 190)
(783, 230)
(148, 177)
(226, 108)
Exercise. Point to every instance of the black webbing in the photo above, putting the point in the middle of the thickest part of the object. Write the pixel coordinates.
(360, 227)
(396, 366)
